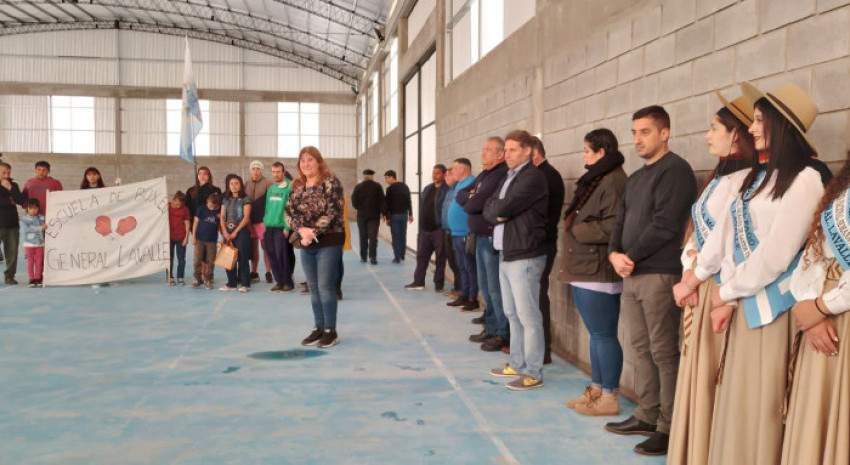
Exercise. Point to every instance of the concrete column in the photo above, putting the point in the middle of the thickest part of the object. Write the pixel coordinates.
(118, 138)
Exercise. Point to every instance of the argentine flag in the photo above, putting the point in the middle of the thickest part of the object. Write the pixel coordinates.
(191, 122)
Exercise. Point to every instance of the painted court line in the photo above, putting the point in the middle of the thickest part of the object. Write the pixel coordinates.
(482, 422)
(171, 367)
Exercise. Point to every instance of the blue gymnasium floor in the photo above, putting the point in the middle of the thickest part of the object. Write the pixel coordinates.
(139, 373)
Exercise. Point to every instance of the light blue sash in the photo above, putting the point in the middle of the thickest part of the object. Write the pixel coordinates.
(703, 222)
(835, 220)
(775, 299)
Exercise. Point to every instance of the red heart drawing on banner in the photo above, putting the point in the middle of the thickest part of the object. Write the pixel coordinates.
(126, 225)
(103, 225)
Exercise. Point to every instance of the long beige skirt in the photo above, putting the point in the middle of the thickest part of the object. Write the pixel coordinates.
(694, 404)
(818, 425)
(747, 423)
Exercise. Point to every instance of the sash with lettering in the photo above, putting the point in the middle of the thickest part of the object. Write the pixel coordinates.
(703, 222)
(108, 234)
(835, 220)
(775, 299)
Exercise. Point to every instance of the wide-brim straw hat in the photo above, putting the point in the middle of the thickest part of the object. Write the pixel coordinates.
(741, 108)
(791, 101)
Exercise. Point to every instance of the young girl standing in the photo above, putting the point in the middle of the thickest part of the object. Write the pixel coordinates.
(235, 221)
(728, 140)
(32, 230)
(762, 239)
(818, 422)
(179, 222)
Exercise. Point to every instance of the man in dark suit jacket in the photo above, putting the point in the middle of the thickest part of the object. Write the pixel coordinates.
(369, 201)
(518, 208)
(553, 215)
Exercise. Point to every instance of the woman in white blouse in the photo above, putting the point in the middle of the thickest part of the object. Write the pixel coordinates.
(818, 423)
(728, 140)
(759, 244)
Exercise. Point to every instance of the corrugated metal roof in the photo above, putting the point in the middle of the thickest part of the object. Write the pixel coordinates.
(334, 37)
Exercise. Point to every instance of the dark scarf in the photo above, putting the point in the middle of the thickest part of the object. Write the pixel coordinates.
(587, 183)
(734, 162)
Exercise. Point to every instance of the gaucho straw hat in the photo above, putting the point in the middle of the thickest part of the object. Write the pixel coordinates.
(741, 108)
(790, 100)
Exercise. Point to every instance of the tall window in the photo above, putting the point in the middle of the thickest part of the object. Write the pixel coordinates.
(475, 27)
(71, 124)
(297, 127)
(390, 80)
(373, 110)
(173, 121)
(362, 125)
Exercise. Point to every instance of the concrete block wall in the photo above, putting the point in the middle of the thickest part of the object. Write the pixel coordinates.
(584, 64)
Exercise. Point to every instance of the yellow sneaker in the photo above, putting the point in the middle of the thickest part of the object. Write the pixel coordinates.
(507, 371)
(524, 383)
(590, 392)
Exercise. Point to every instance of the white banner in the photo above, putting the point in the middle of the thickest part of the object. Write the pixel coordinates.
(109, 234)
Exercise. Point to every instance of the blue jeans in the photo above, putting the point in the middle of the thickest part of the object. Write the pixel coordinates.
(487, 263)
(520, 281)
(600, 312)
(177, 248)
(398, 229)
(322, 269)
(466, 267)
(242, 241)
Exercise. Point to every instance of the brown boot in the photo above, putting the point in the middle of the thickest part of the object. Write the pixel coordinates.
(604, 405)
(590, 392)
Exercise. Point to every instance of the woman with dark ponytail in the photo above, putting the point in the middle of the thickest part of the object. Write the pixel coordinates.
(755, 248)
(596, 287)
(818, 421)
(729, 140)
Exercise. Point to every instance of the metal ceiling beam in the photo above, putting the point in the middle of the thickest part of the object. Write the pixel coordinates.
(26, 28)
(334, 13)
(246, 21)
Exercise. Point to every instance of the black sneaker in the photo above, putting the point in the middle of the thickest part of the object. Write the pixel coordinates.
(458, 302)
(313, 338)
(286, 289)
(255, 277)
(495, 344)
(480, 337)
(32, 283)
(471, 305)
(11, 281)
(269, 278)
(631, 425)
(655, 445)
(415, 287)
(362, 260)
(374, 262)
(276, 289)
(395, 260)
(438, 288)
(329, 339)
(479, 320)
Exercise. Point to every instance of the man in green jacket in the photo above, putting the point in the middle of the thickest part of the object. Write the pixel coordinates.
(280, 252)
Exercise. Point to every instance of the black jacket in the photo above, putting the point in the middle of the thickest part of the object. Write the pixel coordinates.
(524, 206)
(9, 198)
(369, 201)
(556, 199)
(439, 195)
(485, 184)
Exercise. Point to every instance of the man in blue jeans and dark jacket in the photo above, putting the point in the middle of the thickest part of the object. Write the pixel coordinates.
(518, 208)
(495, 334)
